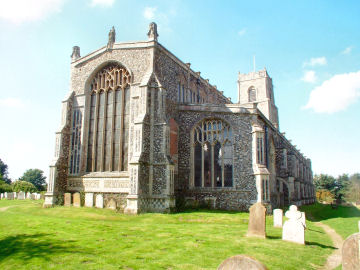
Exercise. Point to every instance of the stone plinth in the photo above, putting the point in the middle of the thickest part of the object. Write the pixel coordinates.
(351, 252)
(278, 218)
(241, 262)
(89, 199)
(257, 220)
(99, 201)
(76, 199)
(67, 199)
(294, 230)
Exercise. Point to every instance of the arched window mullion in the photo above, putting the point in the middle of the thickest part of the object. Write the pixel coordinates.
(112, 130)
(102, 165)
(120, 168)
(94, 146)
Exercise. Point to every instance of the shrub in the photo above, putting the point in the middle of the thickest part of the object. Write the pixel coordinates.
(23, 186)
(5, 187)
(324, 195)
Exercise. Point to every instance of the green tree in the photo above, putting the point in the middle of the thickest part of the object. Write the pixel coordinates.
(23, 186)
(4, 172)
(353, 189)
(4, 187)
(36, 177)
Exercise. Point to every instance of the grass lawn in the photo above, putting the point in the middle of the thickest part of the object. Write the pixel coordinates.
(84, 238)
(344, 220)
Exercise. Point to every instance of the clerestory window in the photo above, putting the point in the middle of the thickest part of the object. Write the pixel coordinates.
(212, 148)
(109, 120)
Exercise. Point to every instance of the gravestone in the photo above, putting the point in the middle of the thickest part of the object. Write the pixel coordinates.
(257, 220)
(76, 199)
(293, 229)
(89, 199)
(111, 204)
(351, 252)
(2, 196)
(67, 199)
(241, 262)
(99, 202)
(21, 195)
(15, 195)
(9, 195)
(28, 195)
(278, 218)
(38, 196)
(32, 196)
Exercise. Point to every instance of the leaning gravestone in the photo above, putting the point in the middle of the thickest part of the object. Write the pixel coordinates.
(67, 199)
(89, 199)
(111, 204)
(99, 202)
(278, 218)
(294, 230)
(76, 199)
(241, 262)
(350, 252)
(257, 220)
(21, 195)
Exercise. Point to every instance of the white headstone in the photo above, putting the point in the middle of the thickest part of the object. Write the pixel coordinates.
(32, 196)
(15, 195)
(278, 218)
(28, 195)
(89, 199)
(99, 201)
(2, 196)
(21, 195)
(38, 196)
(293, 229)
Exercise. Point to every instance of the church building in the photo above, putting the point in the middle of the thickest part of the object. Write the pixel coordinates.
(140, 129)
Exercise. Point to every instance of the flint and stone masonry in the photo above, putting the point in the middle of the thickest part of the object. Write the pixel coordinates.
(143, 130)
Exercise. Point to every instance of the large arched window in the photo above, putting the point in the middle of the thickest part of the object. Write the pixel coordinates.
(212, 150)
(109, 120)
(252, 94)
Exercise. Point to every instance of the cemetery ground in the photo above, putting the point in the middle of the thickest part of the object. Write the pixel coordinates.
(32, 237)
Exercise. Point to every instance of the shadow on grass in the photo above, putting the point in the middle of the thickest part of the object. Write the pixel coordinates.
(28, 246)
(308, 243)
(319, 212)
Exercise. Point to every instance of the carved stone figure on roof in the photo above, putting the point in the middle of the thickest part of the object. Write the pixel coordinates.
(111, 38)
(153, 34)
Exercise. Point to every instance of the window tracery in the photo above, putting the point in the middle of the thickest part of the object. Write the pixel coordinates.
(109, 120)
(212, 149)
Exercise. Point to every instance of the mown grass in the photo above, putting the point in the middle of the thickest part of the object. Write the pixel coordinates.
(82, 238)
(343, 219)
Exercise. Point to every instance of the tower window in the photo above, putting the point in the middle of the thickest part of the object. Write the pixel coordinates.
(252, 94)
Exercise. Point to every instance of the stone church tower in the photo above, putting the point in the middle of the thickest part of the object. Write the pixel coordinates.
(257, 87)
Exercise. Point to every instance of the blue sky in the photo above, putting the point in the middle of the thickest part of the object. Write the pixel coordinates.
(311, 49)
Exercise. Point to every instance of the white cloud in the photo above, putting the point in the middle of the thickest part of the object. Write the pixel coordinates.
(309, 76)
(347, 50)
(149, 13)
(319, 61)
(14, 103)
(103, 3)
(19, 11)
(335, 94)
(242, 32)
